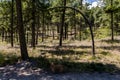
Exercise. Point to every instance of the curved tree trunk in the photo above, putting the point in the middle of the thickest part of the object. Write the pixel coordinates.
(88, 22)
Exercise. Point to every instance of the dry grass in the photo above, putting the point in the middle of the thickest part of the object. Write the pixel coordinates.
(107, 52)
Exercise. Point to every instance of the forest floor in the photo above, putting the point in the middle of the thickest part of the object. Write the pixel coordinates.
(77, 52)
(21, 72)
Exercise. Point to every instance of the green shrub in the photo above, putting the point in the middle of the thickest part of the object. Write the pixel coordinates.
(102, 32)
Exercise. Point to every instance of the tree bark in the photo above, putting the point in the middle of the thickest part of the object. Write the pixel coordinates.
(112, 28)
(62, 24)
(53, 33)
(38, 27)
(23, 47)
(66, 31)
(80, 28)
(33, 24)
(43, 26)
(12, 11)
(75, 31)
(3, 33)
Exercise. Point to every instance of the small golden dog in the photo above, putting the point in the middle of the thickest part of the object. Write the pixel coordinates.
(56, 68)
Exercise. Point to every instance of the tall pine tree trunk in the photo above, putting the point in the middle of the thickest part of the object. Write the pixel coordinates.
(62, 24)
(33, 24)
(11, 32)
(38, 27)
(43, 26)
(66, 30)
(3, 33)
(23, 47)
(75, 31)
(112, 28)
(80, 28)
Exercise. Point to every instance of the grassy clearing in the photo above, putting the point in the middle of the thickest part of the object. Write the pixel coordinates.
(74, 55)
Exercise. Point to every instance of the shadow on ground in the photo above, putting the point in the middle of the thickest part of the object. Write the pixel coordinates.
(111, 41)
(65, 52)
(38, 68)
(64, 46)
(110, 47)
(71, 66)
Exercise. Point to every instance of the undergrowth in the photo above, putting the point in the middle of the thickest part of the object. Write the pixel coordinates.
(8, 59)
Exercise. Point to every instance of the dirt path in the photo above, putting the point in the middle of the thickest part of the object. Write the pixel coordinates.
(23, 71)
